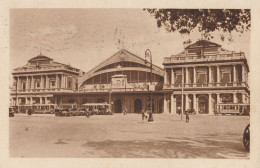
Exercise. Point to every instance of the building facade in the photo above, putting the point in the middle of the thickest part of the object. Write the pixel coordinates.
(204, 75)
(123, 79)
(40, 80)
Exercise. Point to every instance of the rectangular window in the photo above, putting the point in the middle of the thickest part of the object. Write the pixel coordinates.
(226, 77)
(178, 79)
(53, 83)
(69, 84)
(24, 86)
(202, 78)
(38, 84)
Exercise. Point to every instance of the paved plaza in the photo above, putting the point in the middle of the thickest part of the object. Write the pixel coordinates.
(127, 136)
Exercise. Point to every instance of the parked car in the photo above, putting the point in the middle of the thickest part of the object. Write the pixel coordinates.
(57, 112)
(65, 112)
(11, 112)
(81, 111)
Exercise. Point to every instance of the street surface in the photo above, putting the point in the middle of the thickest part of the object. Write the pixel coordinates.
(127, 136)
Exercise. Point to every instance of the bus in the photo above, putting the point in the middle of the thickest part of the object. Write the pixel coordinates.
(232, 109)
(44, 108)
(36, 108)
(97, 108)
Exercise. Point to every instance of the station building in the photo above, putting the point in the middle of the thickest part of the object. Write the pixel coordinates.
(123, 80)
(204, 74)
(41, 80)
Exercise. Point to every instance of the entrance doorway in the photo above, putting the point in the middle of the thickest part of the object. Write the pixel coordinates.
(138, 106)
(118, 106)
(203, 105)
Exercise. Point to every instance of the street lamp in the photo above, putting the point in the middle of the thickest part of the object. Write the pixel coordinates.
(147, 55)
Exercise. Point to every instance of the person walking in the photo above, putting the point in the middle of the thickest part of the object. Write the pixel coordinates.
(187, 117)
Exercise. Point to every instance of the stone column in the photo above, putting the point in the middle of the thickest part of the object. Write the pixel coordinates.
(173, 79)
(187, 103)
(40, 100)
(243, 97)
(65, 81)
(243, 73)
(26, 100)
(18, 83)
(210, 76)
(234, 98)
(46, 100)
(210, 104)
(234, 74)
(56, 82)
(47, 82)
(165, 76)
(194, 102)
(27, 83)
(187, 75)
(165, 104)
(32, 86)
(194, 76)
(172, 104)
(218, 98)
(218, 75)
(42, 87)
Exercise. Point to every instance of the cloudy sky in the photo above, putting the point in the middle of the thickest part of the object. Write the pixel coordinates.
(85, 37)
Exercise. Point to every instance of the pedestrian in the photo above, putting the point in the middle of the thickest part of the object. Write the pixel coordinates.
(143, 115)
(187, 117)
(125, 111)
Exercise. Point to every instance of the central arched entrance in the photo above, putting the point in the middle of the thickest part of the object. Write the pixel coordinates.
(138, 106)
(118, 106)
(203, 105)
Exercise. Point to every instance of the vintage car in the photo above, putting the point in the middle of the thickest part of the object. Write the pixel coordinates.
(73, 112)
(246, 138)
(81, 112)
(61, 112)
(11, 111)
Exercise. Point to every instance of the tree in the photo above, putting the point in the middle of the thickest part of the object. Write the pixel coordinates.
(205, 21)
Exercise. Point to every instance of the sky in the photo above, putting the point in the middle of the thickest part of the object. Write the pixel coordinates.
(84, 38)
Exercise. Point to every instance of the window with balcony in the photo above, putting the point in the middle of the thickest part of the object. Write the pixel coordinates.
(178, 80)
(225, 78)
(38, 84)
(23, 86)
(53, 84)
(202, 78)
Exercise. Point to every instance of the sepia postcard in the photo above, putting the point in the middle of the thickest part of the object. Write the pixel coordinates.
(124, 84)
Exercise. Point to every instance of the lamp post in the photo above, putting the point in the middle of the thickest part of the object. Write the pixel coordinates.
(147, 55)
(182, 82)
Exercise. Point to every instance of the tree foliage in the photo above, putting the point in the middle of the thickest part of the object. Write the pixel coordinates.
(205, 21)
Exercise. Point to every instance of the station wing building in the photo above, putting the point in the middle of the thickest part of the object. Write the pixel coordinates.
(204, 75)
(40, 80)
(210, 75)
